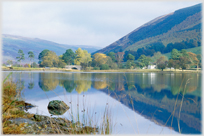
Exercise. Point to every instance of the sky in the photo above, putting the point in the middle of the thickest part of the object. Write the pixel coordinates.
(82, 23)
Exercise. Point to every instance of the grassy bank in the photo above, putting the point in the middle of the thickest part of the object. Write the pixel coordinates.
(15, 119)
(111, 70)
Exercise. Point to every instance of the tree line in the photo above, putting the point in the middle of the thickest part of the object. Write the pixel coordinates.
(99, 61)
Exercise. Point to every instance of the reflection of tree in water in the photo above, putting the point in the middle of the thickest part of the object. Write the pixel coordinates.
(111, 81)
(160, 106)
(184, 83)
(130, 81)
(69, 85)
(20, 82)
(82, 81)
(31, 83)
(120, 79)
(100, 81)
(48, 81)
(67, 81)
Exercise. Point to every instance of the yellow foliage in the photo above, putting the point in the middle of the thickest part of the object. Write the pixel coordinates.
(48, 81)
(100, 83)
(50, 59)
(100, 58)
(83, 83)
(10, 110)
(14, 129)
(193, 57)
(82, 56)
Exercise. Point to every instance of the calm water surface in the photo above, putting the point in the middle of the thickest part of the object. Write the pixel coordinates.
(144, 103)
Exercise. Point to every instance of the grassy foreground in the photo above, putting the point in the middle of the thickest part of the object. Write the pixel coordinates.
(15, 119)
(111, 70)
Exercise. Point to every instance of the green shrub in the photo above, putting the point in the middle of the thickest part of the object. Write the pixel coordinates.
(96, 68)
(104, 67)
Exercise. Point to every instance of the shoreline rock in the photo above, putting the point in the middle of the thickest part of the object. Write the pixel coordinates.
(57, 107)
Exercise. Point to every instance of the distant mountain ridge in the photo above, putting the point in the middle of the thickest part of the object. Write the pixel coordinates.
(183, 25)
(12, 43)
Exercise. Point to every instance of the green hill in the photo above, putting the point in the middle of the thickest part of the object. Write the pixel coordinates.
(196, 50)
(180, 29)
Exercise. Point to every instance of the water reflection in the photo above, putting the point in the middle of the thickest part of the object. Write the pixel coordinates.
(155, 96)
(177, 83)
(82, 81)
(31, 83)
(47, 81)
(158, 97)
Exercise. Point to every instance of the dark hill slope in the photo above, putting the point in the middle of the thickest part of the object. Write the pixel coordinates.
(180, 29)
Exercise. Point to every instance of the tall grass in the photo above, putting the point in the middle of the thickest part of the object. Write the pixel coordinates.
(88, 122)
(79, 125)
(9, 107)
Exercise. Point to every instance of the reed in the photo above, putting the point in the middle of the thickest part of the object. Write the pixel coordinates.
(85, 124)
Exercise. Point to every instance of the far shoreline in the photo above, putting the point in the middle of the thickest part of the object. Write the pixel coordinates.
(104, 71)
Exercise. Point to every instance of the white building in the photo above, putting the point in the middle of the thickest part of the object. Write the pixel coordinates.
(152, 67)
(8, 65)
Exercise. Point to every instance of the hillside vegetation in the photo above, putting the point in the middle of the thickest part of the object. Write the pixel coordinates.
(180, 30)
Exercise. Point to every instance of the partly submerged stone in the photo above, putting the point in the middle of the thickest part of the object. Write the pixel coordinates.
(57, 107)
(24, 105)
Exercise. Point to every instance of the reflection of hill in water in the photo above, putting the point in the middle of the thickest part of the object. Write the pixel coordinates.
(162, 105)
(153, 95)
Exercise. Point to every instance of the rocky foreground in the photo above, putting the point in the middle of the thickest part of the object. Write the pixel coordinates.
(39, 124)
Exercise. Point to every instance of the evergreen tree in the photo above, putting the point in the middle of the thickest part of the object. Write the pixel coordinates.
(20, 56)
(69, 57)
(31, 56)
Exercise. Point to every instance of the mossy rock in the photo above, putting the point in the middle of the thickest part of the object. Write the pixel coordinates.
(23, 105)
(57, 107)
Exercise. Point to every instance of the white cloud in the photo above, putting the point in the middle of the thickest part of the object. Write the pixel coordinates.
(81, 23)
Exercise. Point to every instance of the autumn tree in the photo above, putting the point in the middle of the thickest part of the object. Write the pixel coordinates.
(20, 56)
(183, 62)
(87, 58)
(79, 55)
(41, 55)
(156, 56)
(31, 56)
(193, 59)
(82, 57)
(176, 64)
(61, 63)
(119, 57)
(50, 60)
(170, 63)
(162, 62)
(100, 58)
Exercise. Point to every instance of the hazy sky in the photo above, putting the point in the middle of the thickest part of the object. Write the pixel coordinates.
(82, 23)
